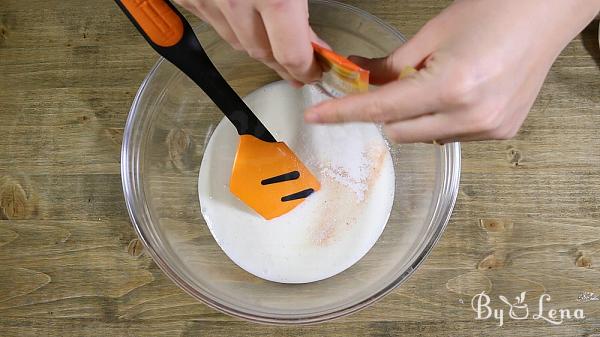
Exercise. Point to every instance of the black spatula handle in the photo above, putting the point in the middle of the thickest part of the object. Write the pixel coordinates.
(169, 33)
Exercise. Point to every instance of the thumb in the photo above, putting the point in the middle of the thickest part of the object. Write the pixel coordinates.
(316, 39)
(387, 69)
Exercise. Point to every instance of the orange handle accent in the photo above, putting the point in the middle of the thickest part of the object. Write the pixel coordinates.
(158, 20)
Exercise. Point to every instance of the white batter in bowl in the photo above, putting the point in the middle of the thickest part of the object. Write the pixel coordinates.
(334, 227)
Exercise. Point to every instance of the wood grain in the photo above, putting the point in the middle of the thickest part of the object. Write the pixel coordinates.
(527, 217)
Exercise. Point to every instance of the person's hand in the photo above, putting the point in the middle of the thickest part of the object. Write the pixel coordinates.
(482, 64)
(275, 32)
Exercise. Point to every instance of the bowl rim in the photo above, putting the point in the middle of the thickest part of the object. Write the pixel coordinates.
(450, 154)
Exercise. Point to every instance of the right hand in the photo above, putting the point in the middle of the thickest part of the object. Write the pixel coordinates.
(482, 64)
(275, 32)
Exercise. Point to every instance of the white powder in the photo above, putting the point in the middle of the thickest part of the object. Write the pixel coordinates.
(348, 164)
(333, 228)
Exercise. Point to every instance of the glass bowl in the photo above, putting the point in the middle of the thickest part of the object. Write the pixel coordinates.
(168, 127)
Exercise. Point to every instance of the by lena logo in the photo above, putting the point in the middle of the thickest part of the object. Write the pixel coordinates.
(519, 310)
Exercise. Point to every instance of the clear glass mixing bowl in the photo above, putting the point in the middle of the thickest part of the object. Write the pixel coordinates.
(167, 130)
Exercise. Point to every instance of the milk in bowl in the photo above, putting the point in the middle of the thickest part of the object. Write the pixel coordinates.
(335, 226)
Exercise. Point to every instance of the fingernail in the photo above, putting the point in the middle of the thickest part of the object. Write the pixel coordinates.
(311, 116)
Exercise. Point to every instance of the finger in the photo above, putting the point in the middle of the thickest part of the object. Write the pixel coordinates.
(479, 124)
(396, 101)
(426, 128)
(213, 16)
(286, 24)
(316, 39)
(464, 138)
(249, 29)
(503, 132)
(444, 128)
(191, 8)
(387, 69)
(271, 63)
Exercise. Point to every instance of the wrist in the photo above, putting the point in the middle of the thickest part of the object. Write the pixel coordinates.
(564, 20)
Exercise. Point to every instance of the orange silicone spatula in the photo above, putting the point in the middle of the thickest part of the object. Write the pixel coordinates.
(267, 175)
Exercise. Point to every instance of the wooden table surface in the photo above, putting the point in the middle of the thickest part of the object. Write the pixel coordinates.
(527, 216)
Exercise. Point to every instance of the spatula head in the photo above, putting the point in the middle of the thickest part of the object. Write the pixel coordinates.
(269, 178)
